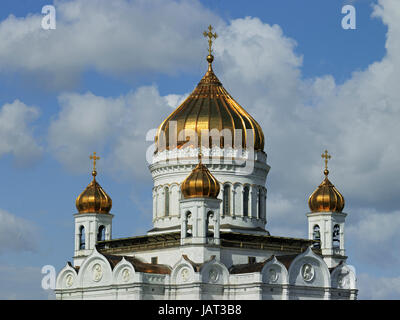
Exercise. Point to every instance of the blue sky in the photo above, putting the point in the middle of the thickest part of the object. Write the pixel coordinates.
(312, 85)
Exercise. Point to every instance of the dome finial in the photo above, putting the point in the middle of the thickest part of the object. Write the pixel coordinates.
(94, 158)
(326, 157)
(210, 35)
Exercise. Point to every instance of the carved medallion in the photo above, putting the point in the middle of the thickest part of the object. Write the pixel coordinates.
(272, 275)
(307, 271)
(213, 275)
(126, 274)
(185, 274)
(343, 280)
(69, 280)
(97, 272)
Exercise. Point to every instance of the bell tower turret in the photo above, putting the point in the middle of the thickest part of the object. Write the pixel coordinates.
(326, 220)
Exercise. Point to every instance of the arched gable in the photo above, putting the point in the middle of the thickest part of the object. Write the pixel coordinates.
(309, 269)
(95, 271)
(123, 273)
(274, 272)
(214, 272)
(67, 278)
(344, 277)
(182, 272)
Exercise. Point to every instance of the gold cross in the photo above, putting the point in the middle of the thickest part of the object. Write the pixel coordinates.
(326, 156)
(210, 36)
(94, 158)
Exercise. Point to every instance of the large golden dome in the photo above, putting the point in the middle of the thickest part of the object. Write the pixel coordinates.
(210, 107)
(200, 183)
(94, 199)
(326, 198)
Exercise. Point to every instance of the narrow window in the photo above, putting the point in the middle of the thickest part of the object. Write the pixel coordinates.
(154, 260)
(317, 236)
(260, 208)
(166, 191)
(188, 227)
(246, 201)
(227, 200)
(336, 236)
(210, 215)
(101, 234)
(81, 238)
(252, 260)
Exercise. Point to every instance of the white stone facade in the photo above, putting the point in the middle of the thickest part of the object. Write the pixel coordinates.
(308, 277)
(235, 171)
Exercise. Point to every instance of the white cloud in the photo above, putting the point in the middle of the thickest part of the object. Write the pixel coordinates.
(113, 37)
(378, 288)
(285, 217)
(16, 135)
(113, 126)
(374, 237)
(175, 100)
(17, 234)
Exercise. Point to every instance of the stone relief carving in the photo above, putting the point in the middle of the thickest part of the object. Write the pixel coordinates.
(213, 275)
(185, 274)
(272, 275)
(343, 280)
(126, 275)
(307, 271)
(69, 280)
(97, 272)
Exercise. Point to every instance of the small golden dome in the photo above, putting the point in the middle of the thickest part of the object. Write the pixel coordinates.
(200, 183)
(93, 199)
(326, 198)
(209, 107)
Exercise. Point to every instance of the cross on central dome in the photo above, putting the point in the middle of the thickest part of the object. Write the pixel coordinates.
(209, 107)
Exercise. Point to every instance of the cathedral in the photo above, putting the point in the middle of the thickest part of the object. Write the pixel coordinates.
(209, 238)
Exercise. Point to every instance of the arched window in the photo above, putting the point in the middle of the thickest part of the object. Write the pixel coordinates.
(189, 231)
(317, 236)
(227, 200)
(166, 209)
(101, 234)
(336, 236)
(260, 204)
(246, 192)
(81, 238)
(210, 215)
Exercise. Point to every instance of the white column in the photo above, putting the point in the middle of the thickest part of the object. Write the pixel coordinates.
(327, 294)
(183, 227)
(216, 228)
(154, 204)
(285, 292)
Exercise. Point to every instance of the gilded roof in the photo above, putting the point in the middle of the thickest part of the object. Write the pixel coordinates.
(210, 107)
(200, 183)
(326, 198)
(93, 199)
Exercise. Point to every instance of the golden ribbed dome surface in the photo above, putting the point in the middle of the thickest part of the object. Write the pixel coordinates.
(200, 183)
(93, 199)
(210, 107)
(326, 198)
